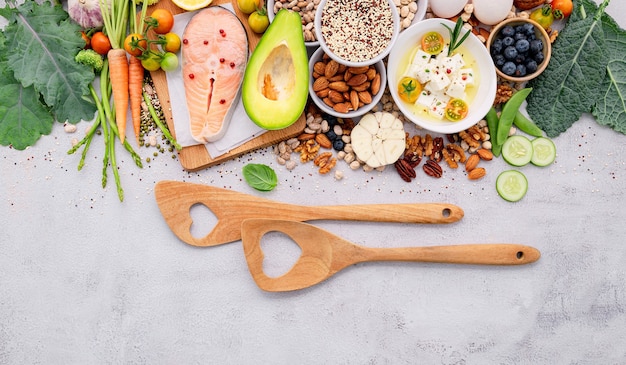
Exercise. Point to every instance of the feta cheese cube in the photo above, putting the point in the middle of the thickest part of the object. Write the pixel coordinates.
(438, 106)
(438, 80)
(456, 89)
(425, 99)
(421, 58)
(467, 75)
(423, 73)
(412, 70)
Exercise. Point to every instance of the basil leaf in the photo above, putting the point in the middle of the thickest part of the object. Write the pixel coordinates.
(260, 177)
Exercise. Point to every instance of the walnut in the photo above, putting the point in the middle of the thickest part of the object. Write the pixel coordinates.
(503, 93)
(308, 150)
(449, 159)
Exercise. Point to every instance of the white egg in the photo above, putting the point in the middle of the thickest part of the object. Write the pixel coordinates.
(491, 12)
(447, 8)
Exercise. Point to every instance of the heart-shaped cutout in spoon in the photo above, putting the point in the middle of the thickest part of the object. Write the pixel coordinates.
(324, 254)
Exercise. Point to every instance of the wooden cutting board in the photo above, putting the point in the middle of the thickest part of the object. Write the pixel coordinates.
(196, 157)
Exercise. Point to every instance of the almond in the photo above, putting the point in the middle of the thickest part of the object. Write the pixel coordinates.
(371, 73)
(338, 77)
(319, 67)
(375, 87)
(354, 99)
(365, 96)
(472, 162)
(323, 140)
(340, 86)
(476, 173)
(336, 96)
(342, 107)
(362, 87)
(328, 102)
(358, 69)
(357, 79)
(485, 154)
(306, 136)
(320, 83)
(322, 93)
(331, 69)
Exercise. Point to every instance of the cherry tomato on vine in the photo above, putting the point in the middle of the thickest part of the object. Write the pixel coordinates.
(100, 43)
(409, 89)
(543, 15)
(164, 21)
(456, 110)
(248, 6)
(259, 21)
(169, 62)
(135, 44)
(432, 43)
(564, 6)
(152, 62)
(172, 42)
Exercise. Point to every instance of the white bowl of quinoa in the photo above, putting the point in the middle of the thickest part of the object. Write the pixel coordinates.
(355, 32)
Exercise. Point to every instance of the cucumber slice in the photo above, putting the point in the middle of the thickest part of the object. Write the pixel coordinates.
(511, 185)
(517, 150)
(544, 151)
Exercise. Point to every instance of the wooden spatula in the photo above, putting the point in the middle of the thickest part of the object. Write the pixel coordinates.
(175, 200)
(324, 254)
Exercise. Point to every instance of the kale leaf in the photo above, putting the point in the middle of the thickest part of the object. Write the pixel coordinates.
(610, 107)
(42, 41)
(572, 81)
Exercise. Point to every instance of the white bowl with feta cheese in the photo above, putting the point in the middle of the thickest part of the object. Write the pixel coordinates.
(440, 91)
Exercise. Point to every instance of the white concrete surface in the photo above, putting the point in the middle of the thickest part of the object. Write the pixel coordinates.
(85, 279)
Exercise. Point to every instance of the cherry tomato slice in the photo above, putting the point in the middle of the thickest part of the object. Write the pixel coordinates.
(432, 43)
(456, 110)
(409, 89)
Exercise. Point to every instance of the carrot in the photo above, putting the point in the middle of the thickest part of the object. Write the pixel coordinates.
(135, 90)
(118, 67)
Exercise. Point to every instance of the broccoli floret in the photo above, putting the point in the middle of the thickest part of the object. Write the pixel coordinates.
(150, 2)
(90, 58)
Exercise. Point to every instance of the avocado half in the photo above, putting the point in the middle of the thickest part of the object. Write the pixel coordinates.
(276, 81)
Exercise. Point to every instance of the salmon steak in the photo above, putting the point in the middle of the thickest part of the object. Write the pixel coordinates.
(214, 58)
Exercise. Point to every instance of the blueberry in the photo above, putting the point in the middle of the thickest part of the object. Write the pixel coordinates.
(536, 46)
(332, 120)
(519, 36)
(510, 53)
(338, 144)
(508, 41)
(521, 58)
(509, 68)
(528, 29)
(496, 46)
(522, 45)
(331, 135)
(499, 60)
(508, 31)
(531, 66)
(539, 57)
(520, 71)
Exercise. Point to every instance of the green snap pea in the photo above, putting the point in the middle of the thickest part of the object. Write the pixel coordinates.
(526, 125)
(509, 111)
(492, 124)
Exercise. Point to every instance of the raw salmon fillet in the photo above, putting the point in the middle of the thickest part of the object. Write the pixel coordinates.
(214, 57)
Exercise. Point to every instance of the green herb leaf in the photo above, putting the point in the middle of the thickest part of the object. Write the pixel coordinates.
(23, 118)
(455, 42)
(570, 84)
(43, 41)
(610, 108)
(260, 177)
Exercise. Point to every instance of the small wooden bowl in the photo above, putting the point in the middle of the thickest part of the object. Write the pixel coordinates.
(540, 34)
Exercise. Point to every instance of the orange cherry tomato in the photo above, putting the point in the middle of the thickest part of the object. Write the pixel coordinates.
(456, 110)
(100, 43)
(432, 43)
(135, 44)
(164, 21)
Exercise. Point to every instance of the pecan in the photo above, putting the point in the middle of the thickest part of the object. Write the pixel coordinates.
(472, 162)
(320, 83)
(485, 154)
(405, 170)
(357, 79)
(413, 158)
(323, 140)
(331, 69)
(476, 173)
(432, 168)
(527, 4)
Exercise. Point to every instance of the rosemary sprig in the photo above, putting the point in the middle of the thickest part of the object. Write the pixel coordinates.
(455, 42)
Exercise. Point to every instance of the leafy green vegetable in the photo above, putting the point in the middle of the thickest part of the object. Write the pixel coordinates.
(23, 119)
(260, 177)
(572, 81)
(610, 108)
(40, 42)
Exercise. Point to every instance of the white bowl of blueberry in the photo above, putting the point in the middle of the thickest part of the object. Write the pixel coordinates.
(520, 49)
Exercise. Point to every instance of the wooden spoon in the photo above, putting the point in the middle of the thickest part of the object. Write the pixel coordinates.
(175, 200)
(324, 254)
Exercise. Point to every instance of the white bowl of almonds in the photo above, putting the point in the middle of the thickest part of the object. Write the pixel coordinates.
(306, 8)
(345, 91)
(357, 33)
